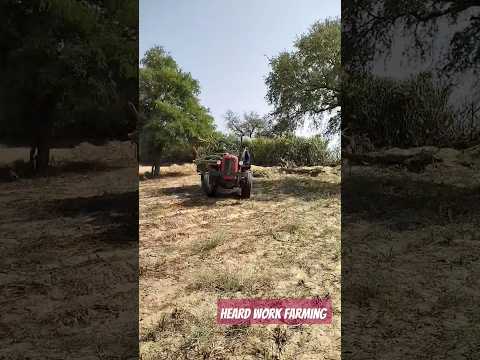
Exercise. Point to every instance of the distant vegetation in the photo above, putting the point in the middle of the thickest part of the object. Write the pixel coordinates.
(419, 110)
(174, 117)
(305, 83)
(288, 150)
(302, 84)
(407, 113)
(293, 151)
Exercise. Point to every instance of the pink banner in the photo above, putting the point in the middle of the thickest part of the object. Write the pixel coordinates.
(281, 311)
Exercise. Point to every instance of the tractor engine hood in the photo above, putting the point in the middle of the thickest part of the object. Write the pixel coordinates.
(229, 167)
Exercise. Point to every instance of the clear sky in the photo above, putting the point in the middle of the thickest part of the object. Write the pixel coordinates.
(224, 44)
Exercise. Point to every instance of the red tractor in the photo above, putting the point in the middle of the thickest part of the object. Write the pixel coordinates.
(226, 171)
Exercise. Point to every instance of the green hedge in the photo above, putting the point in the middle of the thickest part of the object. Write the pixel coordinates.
(294, 150)
(401, 113)
(275, 151)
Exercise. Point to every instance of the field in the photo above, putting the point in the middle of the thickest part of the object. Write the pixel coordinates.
(283, 242)
(412, 242)
(69, 257)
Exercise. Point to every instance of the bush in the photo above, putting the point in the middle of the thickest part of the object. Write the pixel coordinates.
(400, 113)
(276, 151)
(220, 143)
(293, 150)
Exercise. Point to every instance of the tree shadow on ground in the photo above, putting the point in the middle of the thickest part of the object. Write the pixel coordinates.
(193, 195)
(23, 169)
(404, 244)
(406, 204)
(117, 213)
(81, 167)
(305, 189)
(148, 175)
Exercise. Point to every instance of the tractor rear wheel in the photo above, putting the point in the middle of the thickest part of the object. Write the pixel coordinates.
(208, 184)
(246, 186)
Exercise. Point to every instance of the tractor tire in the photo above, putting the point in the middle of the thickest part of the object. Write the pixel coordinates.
(246, 186)
(208, 186)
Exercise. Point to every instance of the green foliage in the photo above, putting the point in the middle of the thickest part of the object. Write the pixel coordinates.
(219, 142)
(306, 82)
(404, 113)
(296, 150)
(170, 104)
(79, 55)
(415, 111)
(272, 151)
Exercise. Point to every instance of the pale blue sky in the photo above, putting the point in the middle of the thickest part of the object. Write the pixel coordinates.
(224, 44)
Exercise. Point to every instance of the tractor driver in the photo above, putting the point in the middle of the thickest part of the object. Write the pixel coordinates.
(246, 156)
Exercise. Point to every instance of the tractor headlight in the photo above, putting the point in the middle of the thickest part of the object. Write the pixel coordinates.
(240, 163)
(219, 162)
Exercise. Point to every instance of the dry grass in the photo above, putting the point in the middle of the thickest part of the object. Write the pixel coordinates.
(283, 242)
(73, 261)
(413, 242)
(205, 246)
(232, 280)
(114, 152)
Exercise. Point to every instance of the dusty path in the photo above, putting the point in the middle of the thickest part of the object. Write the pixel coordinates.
(284, 242)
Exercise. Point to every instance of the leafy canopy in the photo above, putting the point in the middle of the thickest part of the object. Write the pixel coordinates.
(80, 55)
(305, 83)
(170, 104)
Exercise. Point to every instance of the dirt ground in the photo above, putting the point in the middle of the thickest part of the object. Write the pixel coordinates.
(283, 242)
(411, 240)
(69, 263)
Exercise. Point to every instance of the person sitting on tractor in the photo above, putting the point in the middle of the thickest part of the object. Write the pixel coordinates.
(246, 157)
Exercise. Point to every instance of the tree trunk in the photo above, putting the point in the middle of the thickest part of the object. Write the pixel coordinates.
(40, 158)
(43, 158)
(156, 168)
(43, 109)
(43, 146)
(33, 157)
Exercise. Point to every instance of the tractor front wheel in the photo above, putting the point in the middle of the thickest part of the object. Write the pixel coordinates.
(246, 186)
(208, 184)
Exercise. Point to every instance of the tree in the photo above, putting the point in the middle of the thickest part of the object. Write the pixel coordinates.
(252, 124)
(415, 111)
(169, 102)
(306, 82)
(67, 70)
(369, 26)
(235, 124)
